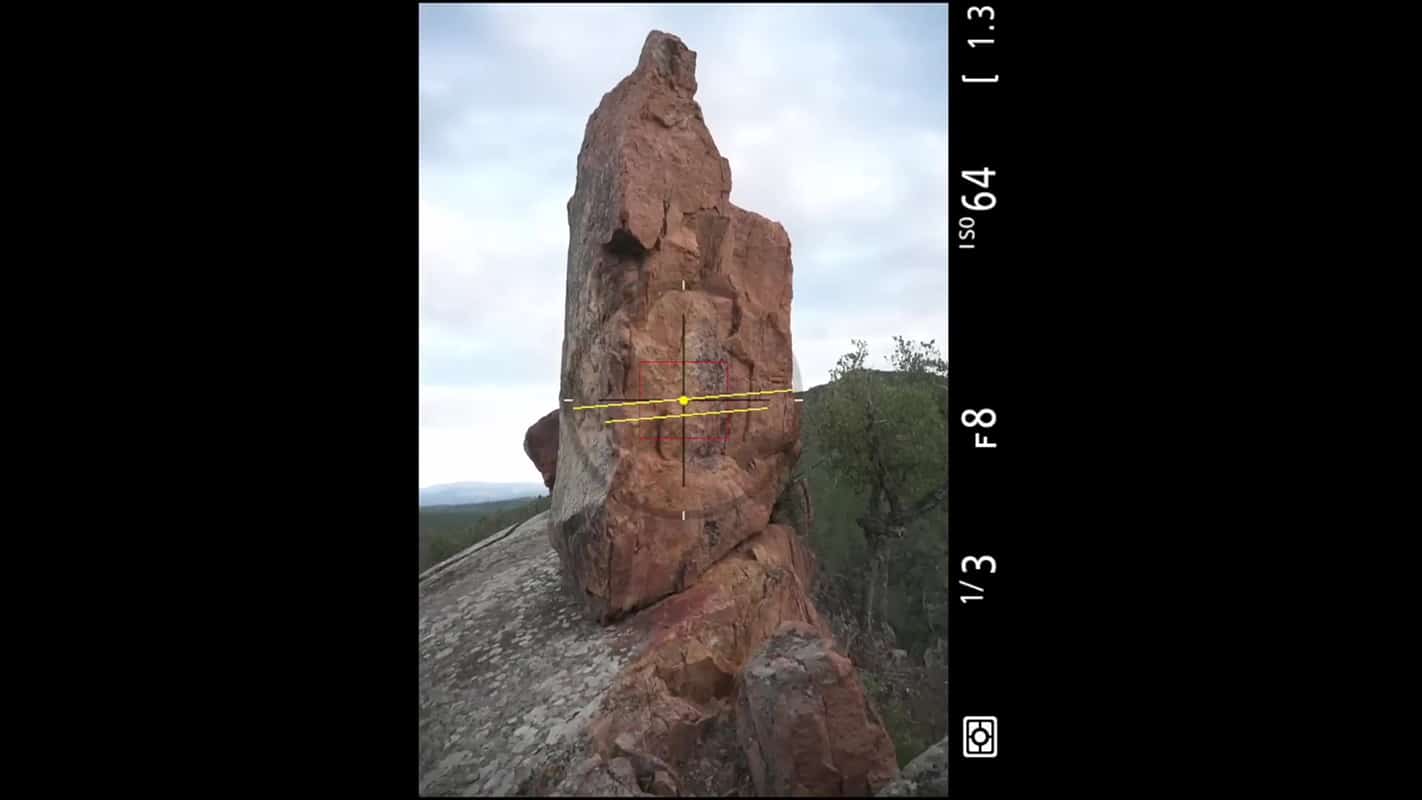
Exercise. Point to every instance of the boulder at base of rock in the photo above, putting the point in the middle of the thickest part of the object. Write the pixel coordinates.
(672, 292)
(540, 444)
(805, 723)
(668, 699)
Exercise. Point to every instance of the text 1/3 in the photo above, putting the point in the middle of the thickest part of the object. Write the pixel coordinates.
(981, 201)
(978, 563)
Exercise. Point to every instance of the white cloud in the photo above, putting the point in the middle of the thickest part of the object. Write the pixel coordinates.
(476, 433)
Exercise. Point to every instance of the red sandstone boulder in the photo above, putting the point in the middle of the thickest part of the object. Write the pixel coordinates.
(663, 269)
(540, 444)
(805, 723)
(696, 643)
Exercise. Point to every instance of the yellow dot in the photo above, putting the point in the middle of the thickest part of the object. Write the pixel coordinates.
(683, 399)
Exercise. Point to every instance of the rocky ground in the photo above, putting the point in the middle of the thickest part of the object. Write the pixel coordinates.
(510, 669)
(925, 776)
(522, 694)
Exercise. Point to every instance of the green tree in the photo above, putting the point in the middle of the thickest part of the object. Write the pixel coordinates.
(887, 433)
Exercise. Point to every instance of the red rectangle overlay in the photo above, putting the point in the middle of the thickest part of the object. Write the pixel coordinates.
(691, 392)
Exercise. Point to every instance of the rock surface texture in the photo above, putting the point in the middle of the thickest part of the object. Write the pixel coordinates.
(521, 694)
(805, 723)
(682, 683)
(511, 673)
(663, 269)
(540, 444)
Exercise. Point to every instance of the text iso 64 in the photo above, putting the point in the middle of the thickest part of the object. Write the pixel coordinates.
(981, 201)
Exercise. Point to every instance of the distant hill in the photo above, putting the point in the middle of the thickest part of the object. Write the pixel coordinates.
(446, 530)
(450, 494)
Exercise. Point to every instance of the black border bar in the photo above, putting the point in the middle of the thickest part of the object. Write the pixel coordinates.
(985, 455)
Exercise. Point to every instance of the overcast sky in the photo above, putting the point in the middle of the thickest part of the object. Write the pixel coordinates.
(834, 119)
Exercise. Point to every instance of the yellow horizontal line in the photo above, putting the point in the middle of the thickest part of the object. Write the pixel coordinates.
(679, 416)
(678, 399)
(633, 403)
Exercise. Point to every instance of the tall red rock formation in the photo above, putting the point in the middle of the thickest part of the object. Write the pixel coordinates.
(663, 269)
(694, 693)
(674, 293)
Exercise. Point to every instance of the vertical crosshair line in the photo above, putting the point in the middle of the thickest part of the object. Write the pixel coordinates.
(683, 394)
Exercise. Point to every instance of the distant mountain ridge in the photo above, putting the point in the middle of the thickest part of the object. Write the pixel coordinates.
(448, 494)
